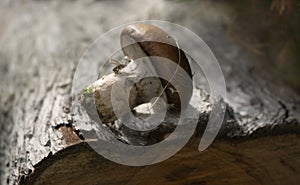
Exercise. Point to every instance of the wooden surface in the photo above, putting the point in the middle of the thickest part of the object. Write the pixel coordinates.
(41, 43)
(270, 161)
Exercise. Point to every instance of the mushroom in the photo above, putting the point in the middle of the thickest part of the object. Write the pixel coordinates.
(148, 48)
(138, 40)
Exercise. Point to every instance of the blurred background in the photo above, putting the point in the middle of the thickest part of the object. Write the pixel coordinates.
(268, 30)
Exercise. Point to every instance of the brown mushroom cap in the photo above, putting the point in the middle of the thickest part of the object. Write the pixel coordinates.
(154, 41)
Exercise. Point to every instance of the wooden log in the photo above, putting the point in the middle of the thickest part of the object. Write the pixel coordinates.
(41, 44)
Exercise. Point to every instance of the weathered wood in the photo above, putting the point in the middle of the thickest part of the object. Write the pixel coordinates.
(41, 43)
(272, 160)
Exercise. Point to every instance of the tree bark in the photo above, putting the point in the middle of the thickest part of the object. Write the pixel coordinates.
(41, 44)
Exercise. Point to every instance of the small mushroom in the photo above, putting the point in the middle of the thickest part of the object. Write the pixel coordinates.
(140, 40)
(153, 46)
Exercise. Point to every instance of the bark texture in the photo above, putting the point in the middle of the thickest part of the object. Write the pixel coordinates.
(41, 43)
